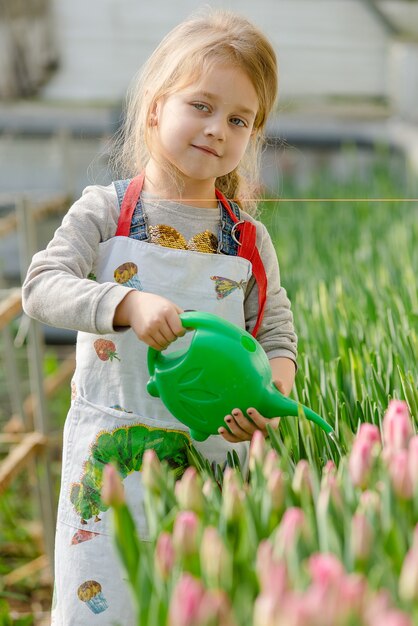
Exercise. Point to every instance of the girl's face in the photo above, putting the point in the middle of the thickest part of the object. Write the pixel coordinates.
(203, 129)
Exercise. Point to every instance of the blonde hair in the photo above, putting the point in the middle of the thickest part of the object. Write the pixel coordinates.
(185, 54)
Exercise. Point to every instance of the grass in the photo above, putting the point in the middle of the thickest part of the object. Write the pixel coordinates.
(349, 269)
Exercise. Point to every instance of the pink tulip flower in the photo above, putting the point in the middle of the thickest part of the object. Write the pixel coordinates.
(257, 449)
(275, 488)
(369, 432)
(292, 523)
(325, 569)
(360, 462)
(215, 560)
(394, 618)
(361, 536)
(353, 593)
(271, 462)
(186, 606)
(151, 470)
(302, 479)
(271, 571)
(185, 533)
(113, 493)
(413, 461)
(216, 609)
(397, 426)
(295, 611)
(232, 496)
(164, 555)
(398, 467)
(189, 491)
(408, 579)
(370, 501)
(266, 610)
(330, 488)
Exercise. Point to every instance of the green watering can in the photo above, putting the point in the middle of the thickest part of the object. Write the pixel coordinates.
(223, 368)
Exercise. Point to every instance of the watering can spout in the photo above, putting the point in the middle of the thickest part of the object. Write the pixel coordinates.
(282, 406)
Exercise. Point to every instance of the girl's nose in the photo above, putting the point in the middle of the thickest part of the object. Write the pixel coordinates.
(215, 127)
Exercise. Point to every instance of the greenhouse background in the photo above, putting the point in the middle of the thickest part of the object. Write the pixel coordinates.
(340, 173)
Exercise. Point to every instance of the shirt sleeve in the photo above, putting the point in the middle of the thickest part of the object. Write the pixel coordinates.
(276, 333)
(56, 290)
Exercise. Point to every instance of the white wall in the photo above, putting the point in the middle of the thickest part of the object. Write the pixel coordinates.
(325, 47)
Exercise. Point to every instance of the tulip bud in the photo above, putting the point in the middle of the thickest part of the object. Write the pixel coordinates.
(413, 461)
(113, 493)
(216, 609)
(164, 555)
(215, 559)
(370, 433)
(271, 462)
(399, 473)
(369, 501)
(189, 491)
(302, 479)
(330, 488)
(185, 533)
(291, 525)
(271, 571)
(361, 536)
(360, 462)
(408, 580)
(275, 489)
(257, 449)
(232, 496)
(325, 569)
(266, 609)
(353, 593)
(377, 605)
(208, 488)
(186, 606)
(397, 426)
(394, 618)
(151, 471)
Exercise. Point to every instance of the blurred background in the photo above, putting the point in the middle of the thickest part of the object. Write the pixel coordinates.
(347, 113)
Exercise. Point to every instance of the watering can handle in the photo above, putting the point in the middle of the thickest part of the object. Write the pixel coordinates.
(192, 320)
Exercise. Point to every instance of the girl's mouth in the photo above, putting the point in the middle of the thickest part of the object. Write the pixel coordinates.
(206, 149)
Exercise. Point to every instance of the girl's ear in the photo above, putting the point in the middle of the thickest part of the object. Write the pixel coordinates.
(153, 115)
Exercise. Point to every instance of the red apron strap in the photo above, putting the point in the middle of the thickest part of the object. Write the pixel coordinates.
(129, 202)
(248, 250)
(225, 203)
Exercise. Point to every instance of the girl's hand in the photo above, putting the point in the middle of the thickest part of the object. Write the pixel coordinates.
(242, 428)
(154, 319)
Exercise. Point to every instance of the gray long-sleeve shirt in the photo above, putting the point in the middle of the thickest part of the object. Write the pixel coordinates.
(57, 291)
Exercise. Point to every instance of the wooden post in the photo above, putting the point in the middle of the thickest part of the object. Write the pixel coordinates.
(40, 419)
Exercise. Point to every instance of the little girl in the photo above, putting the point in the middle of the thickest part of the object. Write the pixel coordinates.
(130, 257)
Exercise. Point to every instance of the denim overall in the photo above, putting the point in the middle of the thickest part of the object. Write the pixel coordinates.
(112, 417)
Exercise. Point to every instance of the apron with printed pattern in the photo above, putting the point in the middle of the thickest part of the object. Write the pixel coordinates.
(113, 418)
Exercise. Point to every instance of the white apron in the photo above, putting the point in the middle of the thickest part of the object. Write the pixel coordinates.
(112, 417)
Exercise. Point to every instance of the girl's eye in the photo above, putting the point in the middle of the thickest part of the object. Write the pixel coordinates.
(237, 121)
(200, 106)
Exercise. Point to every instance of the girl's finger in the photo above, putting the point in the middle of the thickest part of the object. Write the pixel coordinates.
(174, 323)
(159, 341)
(259, 421)
(243, 422)
(262, 422)
(236, 429)
(228, 436)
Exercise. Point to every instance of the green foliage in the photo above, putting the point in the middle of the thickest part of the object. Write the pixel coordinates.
(349, 268)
